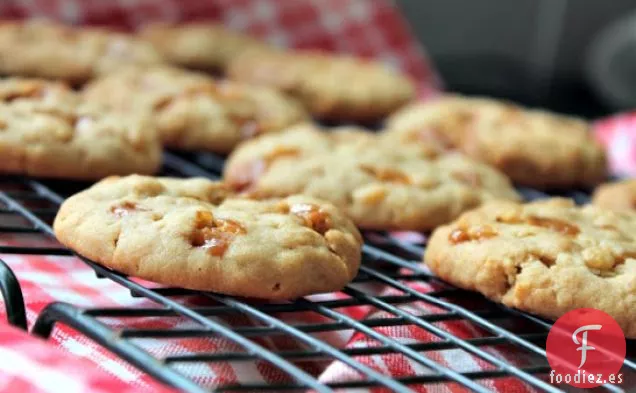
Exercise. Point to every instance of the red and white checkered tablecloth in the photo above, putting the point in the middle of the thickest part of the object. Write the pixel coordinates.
(372, 28)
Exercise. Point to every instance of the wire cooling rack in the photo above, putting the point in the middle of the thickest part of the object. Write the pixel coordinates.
(386, 260)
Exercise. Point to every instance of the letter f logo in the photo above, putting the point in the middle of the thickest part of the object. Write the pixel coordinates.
(584, 347)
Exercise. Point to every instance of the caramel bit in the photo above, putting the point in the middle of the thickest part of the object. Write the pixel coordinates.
(314, 217)
(554, 224)
(480, 232)
(215, 235)
(604, 264)
(166, 101)
(280, 152)
(282, 208)
(609, 227)
(510, 114)
(546, 260)
(249, 128)
(162, 103)
(483, 232)
(435, 136)
(124, 209)
(471, 179)
(512, 217)
(3, 125)
(30, 90)
(458, 236)
(387, 174)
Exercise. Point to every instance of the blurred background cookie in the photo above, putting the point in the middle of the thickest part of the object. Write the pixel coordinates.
(619, 196)
(48, 131)
(201, 46)
(332, 87)
(534, 148)
(194, 111)
(55, 51)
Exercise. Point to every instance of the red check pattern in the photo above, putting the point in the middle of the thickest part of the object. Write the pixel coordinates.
(30, 365)
(370, 28)
(618, 135)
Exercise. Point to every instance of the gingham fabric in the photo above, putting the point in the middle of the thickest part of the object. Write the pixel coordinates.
(30, 365)
(618, 135)
(371, 28)
(45, 279)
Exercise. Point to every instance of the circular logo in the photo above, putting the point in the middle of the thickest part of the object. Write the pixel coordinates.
(586, 349)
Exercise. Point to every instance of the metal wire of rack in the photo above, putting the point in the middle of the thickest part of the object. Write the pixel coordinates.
(386, 260)
(12, 297)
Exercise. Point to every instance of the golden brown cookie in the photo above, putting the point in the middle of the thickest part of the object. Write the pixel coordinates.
(534, 148)
(379, 185)
(196, 234)
(332, 87)
(202, 46)
(619, 196)
(46, 130)
(194, 111)
(48, 50)
(546, 257)
(40, 92)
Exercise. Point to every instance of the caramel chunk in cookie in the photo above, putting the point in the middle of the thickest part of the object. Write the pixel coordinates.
(197, 234)
(313, 216)
(214, 235)
(481, 232)
(547, 257)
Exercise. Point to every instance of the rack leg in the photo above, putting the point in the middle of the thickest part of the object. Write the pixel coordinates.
(12, 295)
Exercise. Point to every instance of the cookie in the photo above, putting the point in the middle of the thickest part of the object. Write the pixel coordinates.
(332, 87)
(46, 130)
(201, 46)
(379, 185)
(619, 196)
(546, 257)
(196, 234)
(48, 50)
(194, 111)
(534, 148)
(37, 92)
